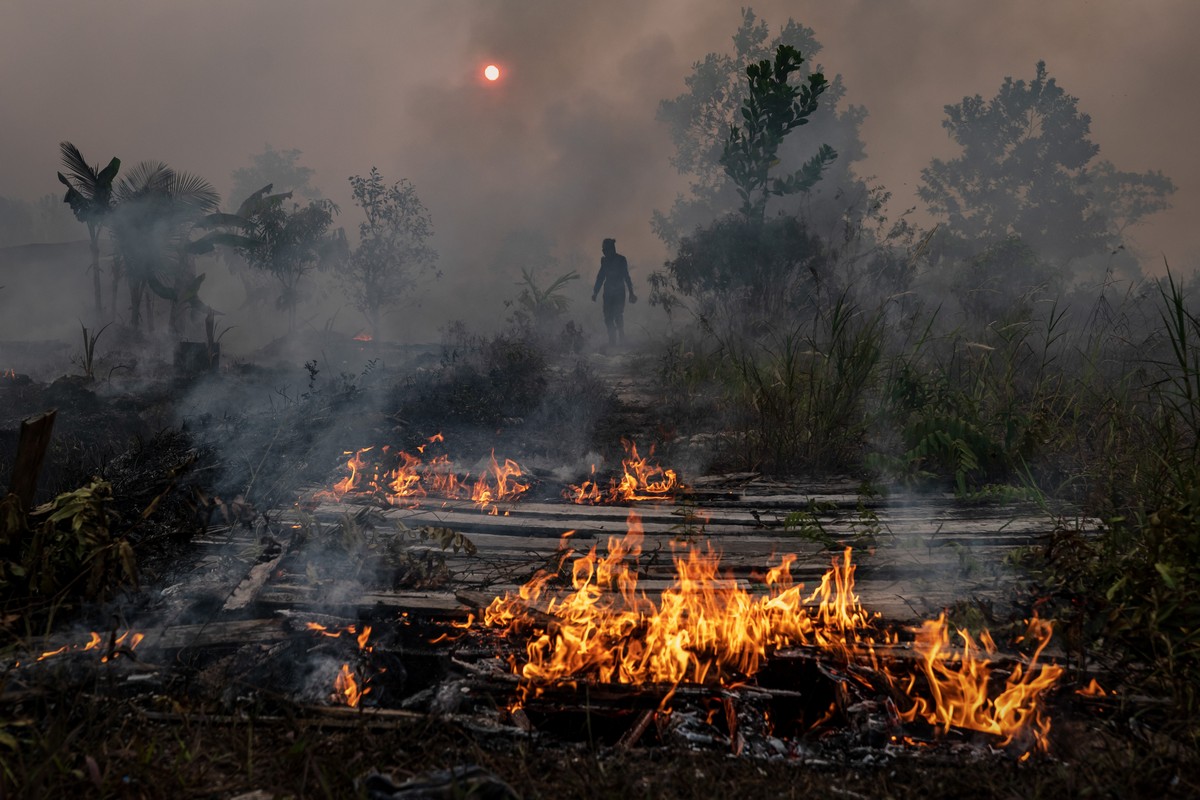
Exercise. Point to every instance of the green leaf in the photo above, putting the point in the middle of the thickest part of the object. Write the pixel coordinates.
(1165, 571)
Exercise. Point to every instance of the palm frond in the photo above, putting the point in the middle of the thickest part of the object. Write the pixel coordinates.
(193, 191)
(146, 177)
(85, 176)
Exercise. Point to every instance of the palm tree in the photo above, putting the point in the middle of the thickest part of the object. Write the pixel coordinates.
(156, 209)
(90, 198)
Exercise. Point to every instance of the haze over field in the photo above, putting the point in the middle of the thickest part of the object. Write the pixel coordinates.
(567, 143)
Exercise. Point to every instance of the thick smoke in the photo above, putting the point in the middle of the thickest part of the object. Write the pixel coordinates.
(566, 145)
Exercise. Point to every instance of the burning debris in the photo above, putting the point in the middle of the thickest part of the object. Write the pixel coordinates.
(108, 649)
(707, 629)
(639, 480)
(370, 473)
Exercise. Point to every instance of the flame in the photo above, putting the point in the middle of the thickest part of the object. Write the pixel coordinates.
(8, 373)
(639, 480)
(363, 337)
(346, 691)
(958, 685)
(707, 628)
(1093, 689)
(126, 643)
(415, 477)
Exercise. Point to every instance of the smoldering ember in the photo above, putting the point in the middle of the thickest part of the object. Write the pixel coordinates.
(598, 432)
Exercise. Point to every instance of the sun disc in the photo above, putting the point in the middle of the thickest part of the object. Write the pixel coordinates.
(491, 72)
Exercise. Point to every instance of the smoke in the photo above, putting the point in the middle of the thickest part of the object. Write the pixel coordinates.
(566, 144)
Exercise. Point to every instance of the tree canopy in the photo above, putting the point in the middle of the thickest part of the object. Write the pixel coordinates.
(1028, 169)
(699, 121)
(393, 250)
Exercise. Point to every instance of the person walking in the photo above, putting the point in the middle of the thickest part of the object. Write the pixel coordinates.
(614, 279)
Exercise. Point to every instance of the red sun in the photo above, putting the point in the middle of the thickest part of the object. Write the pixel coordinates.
(491, 72)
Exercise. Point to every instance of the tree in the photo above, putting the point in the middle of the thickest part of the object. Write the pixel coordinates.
(156, 210)
(280, 168)
(393, 251)
(772, 109)
(699, 121)
(90, 196)
(744, 264)
(1027, 170)
(288, 244)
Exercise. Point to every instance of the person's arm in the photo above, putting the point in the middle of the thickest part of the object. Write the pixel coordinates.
(629, 283)
(599, 281)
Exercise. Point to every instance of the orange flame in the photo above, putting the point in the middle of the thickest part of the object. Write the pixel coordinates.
(414, 478)
(125, 643)
(1093, 689)
(707, 628)
(346, 691)
(959, 687)
(639, 480)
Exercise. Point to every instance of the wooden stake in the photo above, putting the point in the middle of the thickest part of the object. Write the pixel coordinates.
(31, 451)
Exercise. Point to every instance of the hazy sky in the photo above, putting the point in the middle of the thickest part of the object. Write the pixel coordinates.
(567, 142)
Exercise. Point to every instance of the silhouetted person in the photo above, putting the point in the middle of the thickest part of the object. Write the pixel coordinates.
(614, 277)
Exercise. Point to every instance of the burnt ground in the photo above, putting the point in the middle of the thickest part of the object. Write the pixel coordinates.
(231, 695)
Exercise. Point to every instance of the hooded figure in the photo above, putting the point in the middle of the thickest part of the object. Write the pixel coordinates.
(614, 278)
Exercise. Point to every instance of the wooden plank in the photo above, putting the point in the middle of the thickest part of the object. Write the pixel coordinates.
(32, 444)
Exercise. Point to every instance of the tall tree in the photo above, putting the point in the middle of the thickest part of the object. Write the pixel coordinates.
(393, 250)
(699, 121)
(289, 243)
(156, 210)
(1027, 169)
(745, 266)
(773, 108)
(90, 196)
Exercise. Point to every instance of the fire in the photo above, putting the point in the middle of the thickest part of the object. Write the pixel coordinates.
(705, 628)
(959, 685)
(125, 644)
(345, 688)
(1093, 689)
(639, 480)
(8, 373)
(708, 628)
(363, 337)
(415, 477)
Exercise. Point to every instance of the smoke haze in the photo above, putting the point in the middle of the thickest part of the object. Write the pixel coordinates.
(566, 144)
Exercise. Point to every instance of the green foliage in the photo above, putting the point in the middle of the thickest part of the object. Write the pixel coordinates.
(795, 396)
(700, 118)
(1026, 170)
(806, 524)
(393, 251)
(738, 271)
(539, 310)
(288, 244)
(772, 109)
(64, 548)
